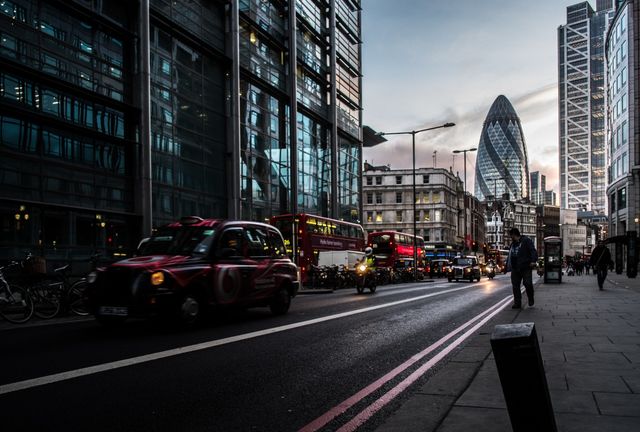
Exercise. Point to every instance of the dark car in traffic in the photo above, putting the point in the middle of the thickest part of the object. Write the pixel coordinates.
(186, 267)
(438, 267)
(464, 268)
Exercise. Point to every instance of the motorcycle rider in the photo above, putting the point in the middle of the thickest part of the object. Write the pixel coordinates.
(369, 258)
(368, 276)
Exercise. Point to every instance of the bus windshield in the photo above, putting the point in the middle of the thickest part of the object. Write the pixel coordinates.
(184, 240)
(381, 243)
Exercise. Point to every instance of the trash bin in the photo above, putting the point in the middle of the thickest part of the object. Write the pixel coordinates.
(552, 259)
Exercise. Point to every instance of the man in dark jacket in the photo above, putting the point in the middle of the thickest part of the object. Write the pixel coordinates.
(600, 260)
(522, 259)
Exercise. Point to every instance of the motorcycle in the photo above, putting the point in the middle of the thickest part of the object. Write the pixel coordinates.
(365, 278)
(490, 272)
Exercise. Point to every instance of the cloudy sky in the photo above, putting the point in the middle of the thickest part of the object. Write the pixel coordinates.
(427, 62)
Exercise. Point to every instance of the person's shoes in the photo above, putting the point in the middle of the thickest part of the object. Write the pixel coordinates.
(531, 302)
(516, 306)
(601, 288)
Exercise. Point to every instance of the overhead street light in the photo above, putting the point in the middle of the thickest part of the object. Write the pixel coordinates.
(413, 151)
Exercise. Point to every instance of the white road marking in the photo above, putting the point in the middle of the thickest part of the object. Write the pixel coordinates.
(63, 376)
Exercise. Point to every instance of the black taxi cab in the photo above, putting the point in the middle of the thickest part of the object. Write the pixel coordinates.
(464, 268)
(190, 265)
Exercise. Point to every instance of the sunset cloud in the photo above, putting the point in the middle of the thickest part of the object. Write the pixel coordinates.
(447, 62)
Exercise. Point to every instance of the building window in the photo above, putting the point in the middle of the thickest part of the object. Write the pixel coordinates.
(398, 216)
(427, 217)
(398, 179)
(369, 197)
(612, 202)
(378, 217)
(378, 198)
(425, 178)
(378, 180)
(369, 216)
(622, 198)
(369, 181)
(398, 197)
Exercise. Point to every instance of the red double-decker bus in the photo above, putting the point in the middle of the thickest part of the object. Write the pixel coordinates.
(315, 234)
(393, 249)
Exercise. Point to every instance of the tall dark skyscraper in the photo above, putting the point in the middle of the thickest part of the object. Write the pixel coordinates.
(117, 116)
(502, 163)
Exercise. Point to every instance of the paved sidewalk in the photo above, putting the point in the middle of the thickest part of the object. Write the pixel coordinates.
(590, 344)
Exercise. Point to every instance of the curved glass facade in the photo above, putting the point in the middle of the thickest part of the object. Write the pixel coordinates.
(502, 164)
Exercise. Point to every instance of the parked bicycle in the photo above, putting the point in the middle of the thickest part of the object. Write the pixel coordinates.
(16, 305)
(75, 295)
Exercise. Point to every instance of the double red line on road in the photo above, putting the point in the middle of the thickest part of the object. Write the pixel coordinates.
(369, 411)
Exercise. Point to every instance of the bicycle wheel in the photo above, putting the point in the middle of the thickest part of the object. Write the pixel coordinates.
(75, 298)
(16, 305)
(46, 299)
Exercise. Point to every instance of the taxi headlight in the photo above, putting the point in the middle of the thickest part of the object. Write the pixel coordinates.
(157, 278)
(91, 277)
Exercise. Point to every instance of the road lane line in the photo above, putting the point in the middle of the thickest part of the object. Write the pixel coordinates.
(63, 376)
(357, 397)
(368, 412)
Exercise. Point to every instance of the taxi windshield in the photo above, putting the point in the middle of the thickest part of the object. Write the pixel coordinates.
(463, 261)
(184, 240)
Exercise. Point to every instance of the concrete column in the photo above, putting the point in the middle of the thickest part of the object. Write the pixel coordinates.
(144, 84)
(233, 138)
(334, 111)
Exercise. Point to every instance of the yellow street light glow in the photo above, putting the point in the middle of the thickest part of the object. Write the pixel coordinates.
(157, 278)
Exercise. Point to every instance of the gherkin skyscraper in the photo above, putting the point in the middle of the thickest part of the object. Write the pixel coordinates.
(502, 164)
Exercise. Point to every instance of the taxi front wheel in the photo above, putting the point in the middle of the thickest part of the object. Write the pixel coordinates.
(190, 310)
(280, 303)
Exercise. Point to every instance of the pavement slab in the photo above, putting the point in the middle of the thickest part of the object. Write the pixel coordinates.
(476, 420)
(618, 404)
(421, 413)
(577, 402)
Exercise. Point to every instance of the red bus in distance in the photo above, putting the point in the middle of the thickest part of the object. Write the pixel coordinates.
(315, 234)
(393, 249)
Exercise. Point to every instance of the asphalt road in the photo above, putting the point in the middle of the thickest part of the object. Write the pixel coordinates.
(241, 371)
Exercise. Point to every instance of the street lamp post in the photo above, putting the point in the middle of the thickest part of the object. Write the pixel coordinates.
(464, 200)
(413, 134)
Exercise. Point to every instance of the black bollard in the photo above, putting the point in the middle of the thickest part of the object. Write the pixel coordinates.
(632, 254)
(515, 348)
(619, 262)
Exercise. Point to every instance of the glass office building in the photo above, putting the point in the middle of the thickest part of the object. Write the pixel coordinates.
(581, 75)
(622, 129)
(502, 164)
(119, 116)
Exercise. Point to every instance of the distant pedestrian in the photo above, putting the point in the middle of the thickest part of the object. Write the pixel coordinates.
(601, 260)
(587, 266)
(521, 260)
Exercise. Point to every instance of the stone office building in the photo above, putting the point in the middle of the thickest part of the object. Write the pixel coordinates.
(388, 205)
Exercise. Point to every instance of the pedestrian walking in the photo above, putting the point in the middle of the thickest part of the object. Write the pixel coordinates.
(600, 261)
(521, 260)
